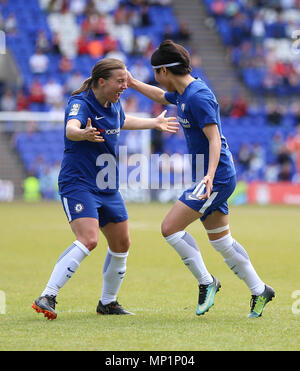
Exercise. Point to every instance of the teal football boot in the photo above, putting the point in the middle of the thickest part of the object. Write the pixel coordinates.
(207, 296)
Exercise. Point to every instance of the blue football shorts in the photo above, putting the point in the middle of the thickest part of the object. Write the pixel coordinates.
(217, 201)
(83, 203)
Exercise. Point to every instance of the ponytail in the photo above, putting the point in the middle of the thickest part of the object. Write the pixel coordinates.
(87, 84)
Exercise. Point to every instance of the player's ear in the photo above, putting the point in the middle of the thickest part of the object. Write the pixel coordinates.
(164, 69)
(101, 81)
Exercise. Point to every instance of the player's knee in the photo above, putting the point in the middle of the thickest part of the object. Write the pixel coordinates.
(125, 244)
(167, 229)
(91, 242)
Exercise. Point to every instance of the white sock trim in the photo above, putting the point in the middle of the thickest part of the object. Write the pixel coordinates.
(175, 237)
(228, 236)
(81, 246)
(118, 254)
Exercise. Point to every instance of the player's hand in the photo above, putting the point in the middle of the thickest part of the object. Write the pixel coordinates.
(167, 124)
(208, 181)
(92, 134)
(129, 79)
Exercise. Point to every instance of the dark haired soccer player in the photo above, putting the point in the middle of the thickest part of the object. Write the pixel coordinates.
(199, 116)
(93, 119)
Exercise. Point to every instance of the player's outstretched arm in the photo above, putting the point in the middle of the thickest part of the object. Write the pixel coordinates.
(162, 123)
(75, 133)
(150, 91)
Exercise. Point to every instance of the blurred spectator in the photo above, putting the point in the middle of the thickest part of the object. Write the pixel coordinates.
(8, 101)
(73, 82)
(22, 101)
(274, 114)
(96, 25)
(239, 107)
(285, 163)
(48, 183)
(77, 7)
(144, 11)
(109, 43)
(131, 104)
(271, 173)
(56, 43)
(38, 62)
(196, 64)
(184, 34)
(140, 71)
(117, 54)
(10, 24)
(36, 92)
(53, 92)
(277, 28)
(31, 189)
(95, 48)
(244, 156)
(106, 6)
(121, 15)
(240, 29)
(42, 42)
(295, 109)
(169, 33)
(124, 34)
(258, 30)
(293, 146)
(218, 7)
(65, 65)
(285, 173)
(82, 43)
(257, 161)
(225, 106)
(141, 44)
(276, 144)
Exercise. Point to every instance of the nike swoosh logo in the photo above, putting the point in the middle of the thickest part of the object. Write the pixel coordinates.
(204, 305)
(70, 270)
(99, 118)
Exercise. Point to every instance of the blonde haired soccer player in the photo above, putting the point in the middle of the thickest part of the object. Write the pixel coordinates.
(198, 114)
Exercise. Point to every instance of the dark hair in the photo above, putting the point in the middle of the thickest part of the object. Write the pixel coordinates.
(102, 69)
(170, 52)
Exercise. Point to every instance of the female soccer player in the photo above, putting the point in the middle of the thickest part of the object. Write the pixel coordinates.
(93, 119)
(198, 114)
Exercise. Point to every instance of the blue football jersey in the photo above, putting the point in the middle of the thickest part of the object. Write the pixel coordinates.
(197, 107)
(88, 164)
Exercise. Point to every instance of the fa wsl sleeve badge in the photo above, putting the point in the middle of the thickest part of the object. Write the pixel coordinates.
(74, 109)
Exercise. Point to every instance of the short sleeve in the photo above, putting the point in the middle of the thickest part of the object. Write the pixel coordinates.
(171, 97)
(76, 109)
(203, 110)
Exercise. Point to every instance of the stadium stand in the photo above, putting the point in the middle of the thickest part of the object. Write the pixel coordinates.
(258, 34)
(56, 42)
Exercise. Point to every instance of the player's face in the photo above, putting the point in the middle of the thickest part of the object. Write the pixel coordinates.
(163, 78)
(114, 86)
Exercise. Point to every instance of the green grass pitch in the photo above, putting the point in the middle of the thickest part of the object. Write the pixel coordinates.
(157, 287)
